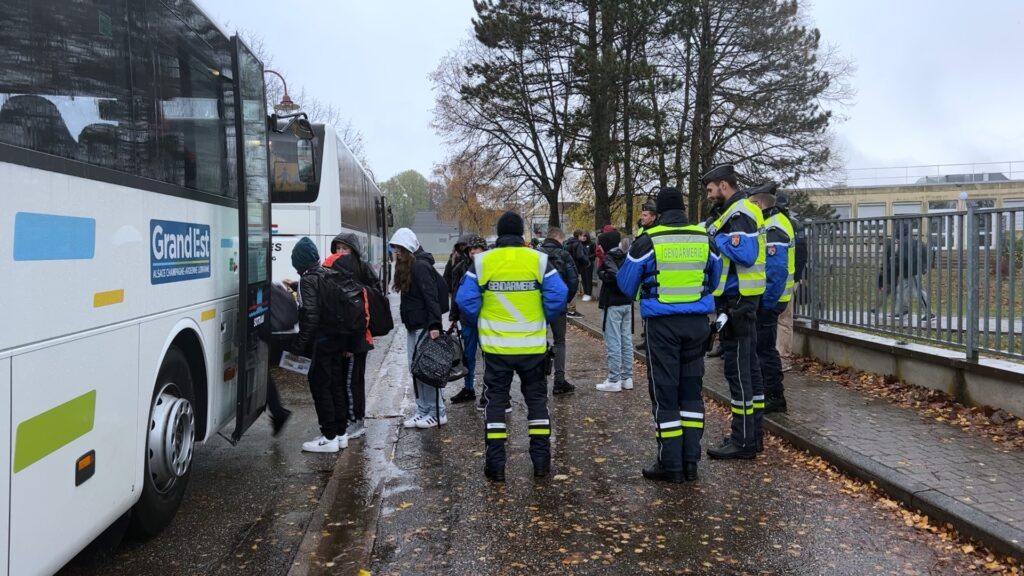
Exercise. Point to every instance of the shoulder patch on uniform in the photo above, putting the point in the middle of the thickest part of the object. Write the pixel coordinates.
(771, 250)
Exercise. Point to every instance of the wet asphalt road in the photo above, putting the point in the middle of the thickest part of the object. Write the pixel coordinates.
(416, 502)
(247, 507)
(597, 515)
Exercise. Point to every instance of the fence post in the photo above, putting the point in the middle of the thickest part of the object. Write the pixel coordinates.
(814, 265)
(973, 261)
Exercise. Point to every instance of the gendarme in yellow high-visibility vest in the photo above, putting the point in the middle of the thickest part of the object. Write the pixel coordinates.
(781, 222)
(680, 256)
(752, 279)
(512, 312)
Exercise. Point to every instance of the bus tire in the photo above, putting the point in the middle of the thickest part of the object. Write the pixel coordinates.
(170, 440)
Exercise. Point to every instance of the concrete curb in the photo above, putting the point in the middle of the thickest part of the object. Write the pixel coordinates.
(981, 527)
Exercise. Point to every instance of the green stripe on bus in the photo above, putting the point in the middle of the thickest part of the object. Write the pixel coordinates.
(44, 434)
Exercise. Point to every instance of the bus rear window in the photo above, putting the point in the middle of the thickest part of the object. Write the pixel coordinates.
(295, 169)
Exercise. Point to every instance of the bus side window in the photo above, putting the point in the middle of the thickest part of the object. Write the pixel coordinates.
(304, 158)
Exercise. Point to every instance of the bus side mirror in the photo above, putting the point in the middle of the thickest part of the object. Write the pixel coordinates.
(391, 218)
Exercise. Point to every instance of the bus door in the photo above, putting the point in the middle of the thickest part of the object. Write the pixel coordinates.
(254, 237)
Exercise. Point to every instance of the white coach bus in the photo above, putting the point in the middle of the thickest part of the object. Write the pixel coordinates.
(135, 260)
(318, 189)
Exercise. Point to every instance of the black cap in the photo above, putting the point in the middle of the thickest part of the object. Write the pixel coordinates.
(766, 188)
(669, 199)
(510, 223)
(720, 172)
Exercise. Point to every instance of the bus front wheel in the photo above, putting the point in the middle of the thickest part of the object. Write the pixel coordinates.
(170, 439)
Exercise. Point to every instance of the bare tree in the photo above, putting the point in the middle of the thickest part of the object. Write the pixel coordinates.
(508, 92)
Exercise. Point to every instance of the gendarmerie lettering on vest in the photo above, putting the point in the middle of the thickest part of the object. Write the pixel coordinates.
(512, 285)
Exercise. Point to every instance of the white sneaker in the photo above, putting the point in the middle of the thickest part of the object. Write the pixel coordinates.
(342, 441)
(627, 384)
(587, 298)
(609, 387)
(430, 421)
(356, 430)
(321, 444)
(411, 422)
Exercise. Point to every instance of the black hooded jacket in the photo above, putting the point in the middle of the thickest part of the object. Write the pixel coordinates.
(365, 275)
(419, 308)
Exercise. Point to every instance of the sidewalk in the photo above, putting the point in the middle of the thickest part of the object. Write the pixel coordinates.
(946, 473)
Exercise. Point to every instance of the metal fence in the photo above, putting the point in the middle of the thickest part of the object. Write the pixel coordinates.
(952, 279)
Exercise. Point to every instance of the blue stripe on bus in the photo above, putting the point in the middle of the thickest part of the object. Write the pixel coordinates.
(53, 237)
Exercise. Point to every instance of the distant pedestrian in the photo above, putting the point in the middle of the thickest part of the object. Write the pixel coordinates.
(599, 250)
(913, 264)
(647, 220)
(474, 245)
(511, 293)
(617, 323)
(566, 266)
(320, 341)
(346, 255)
(674, 268)
(587, 273)
(421, 313)
(457, 256)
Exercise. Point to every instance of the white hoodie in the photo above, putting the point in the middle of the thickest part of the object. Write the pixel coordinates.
(406, 239)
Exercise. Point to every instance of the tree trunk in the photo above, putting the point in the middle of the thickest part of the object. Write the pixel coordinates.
(627, 136)
(599, 54)
(687, 103)
(700, 143)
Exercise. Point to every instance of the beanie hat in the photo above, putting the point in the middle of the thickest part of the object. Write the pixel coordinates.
(406, 239)
(609, 240)
(669, 199)
(304, 255)
(510, 223)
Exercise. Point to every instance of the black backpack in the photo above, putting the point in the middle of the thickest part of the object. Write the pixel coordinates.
(284, 310)
(381, 321)
(442, 292)
(343, 304)
(556, 260)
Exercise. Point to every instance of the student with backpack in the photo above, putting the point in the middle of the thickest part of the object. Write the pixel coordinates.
(346, 257)
(424, 300)
(566, 266)
(617, 324)
(474, 245)
(321, 337)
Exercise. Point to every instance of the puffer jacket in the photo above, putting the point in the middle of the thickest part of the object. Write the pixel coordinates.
(566, 263)
(419, 308)
(309, 310)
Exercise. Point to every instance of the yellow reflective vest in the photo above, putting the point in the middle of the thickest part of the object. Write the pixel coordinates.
(752, 279)
(512, 311)
(680, 257)
(781, 222)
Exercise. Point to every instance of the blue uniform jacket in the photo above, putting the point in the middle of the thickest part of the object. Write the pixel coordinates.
(553, 291)
(639, 264)
(745, 253)
(776, 268)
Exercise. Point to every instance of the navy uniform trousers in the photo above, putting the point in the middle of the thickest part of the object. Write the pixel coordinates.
(498, 372)
(742, 370)
(675, 376)
(767, 353)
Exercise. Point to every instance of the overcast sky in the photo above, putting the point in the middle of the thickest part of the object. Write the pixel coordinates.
(937, 81)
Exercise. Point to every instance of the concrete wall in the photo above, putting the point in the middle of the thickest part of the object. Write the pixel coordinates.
(986, 383)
